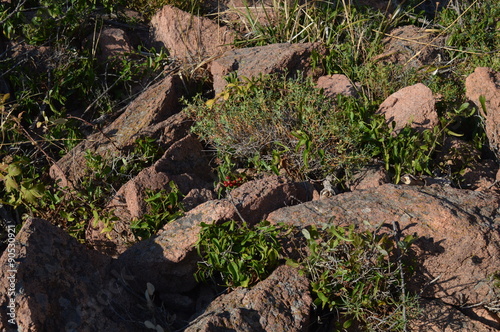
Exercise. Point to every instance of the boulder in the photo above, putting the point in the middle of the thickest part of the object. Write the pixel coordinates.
(57, 284)
(282, 302)
(414, 106)
(486, 82)
(154, 105)
(269, 59)
(458, 231)
(337, 84)
(188, 37)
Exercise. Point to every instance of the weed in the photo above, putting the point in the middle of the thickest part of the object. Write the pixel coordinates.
(359, 276)
(272, 123)
(241, 254)
(163, 208)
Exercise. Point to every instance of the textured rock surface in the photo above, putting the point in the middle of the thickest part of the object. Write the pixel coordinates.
(113, 42)
(486, 82)
(189, 37)
(337, 84)
(458, 230)
(154, 105)
(269, 59)
(280, 303)
(369, 177)
(255, 199)
(62, 286)
(413, 105)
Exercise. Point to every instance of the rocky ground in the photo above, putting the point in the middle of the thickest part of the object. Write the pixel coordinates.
(63, 285)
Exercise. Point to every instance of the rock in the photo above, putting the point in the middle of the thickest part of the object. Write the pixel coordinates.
(255, 199)
(112, 42)
(486, 82)
(188, 37)
(170, 257)
(269, 59)
(261, 308)
(154, 105)
(60, 285)
(458, 233)
(183, 164)
(337, 84)
(413, 105)
(369, 177)
(412, 47)
(196, 197)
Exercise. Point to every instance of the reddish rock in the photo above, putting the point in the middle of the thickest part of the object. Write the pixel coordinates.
(154, 105)
(413, 106)
(60, 285)
(188, 37)
(170, 256)
(370, 177)
(486, 82)
(458, 234)
(243, 14)
(183, 163)
(282, 302)
(113, 42)
(255, 199)
(411, 46)
(337, 84)
(269, 59)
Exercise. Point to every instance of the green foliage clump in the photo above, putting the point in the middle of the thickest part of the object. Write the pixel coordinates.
(360, 276)
(163, 207)
(242, 255)
(273, 123)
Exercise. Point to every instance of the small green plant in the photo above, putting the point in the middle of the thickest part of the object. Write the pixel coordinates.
(242, 255)
(360, 276)
(277, 124)
(163, 207)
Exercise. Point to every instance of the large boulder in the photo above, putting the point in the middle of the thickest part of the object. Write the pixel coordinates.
(57, 284)
(269, 59)
(188, 37)
(486, 82)
(282, 302)
(414, 106)
(458, 246)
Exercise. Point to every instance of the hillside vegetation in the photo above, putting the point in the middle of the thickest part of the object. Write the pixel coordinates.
(56, 90)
